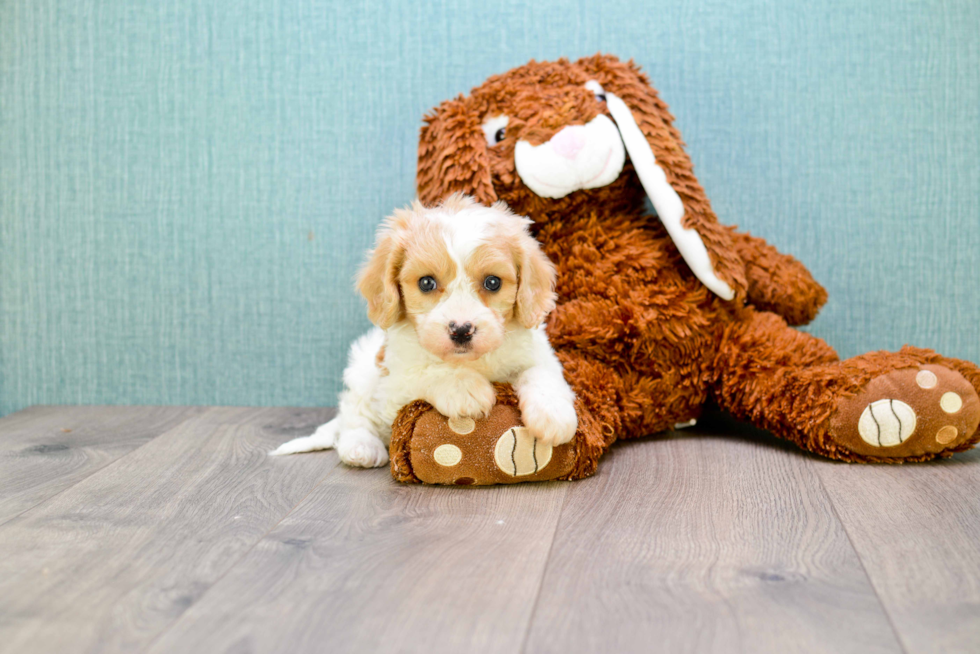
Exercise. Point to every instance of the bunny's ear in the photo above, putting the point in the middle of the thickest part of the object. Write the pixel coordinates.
(667, 174)
(453, 156)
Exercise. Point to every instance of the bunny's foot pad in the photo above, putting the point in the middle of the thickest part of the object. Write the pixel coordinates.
(912, 413)
(429, 448)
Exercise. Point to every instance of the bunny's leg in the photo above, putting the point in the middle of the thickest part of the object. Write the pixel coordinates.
(911, 405)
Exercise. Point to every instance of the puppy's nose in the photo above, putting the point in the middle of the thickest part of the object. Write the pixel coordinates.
(461, 334)
(569, 141)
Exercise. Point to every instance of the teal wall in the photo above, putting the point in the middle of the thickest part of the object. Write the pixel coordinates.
(186, 188)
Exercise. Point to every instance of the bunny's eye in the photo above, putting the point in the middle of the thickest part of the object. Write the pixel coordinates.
(495, 129)
(596, 88)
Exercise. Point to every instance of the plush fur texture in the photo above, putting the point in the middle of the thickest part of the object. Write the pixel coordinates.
(458, 293)
(643, 342)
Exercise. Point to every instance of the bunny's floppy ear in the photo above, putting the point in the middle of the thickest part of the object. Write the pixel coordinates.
(667, 174)
(453, 155)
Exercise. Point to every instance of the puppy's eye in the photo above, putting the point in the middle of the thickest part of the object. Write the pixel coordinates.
(491, 283)
(601, 97)
(427, 284)
(494, 129)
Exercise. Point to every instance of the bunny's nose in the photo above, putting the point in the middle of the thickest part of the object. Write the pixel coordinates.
(569, 141)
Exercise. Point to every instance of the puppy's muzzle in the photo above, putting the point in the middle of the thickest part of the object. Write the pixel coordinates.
(461, 334)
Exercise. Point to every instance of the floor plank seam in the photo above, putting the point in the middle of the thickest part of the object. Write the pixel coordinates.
(94, 472)
(867, 575)
(544, 572)
(245, 553)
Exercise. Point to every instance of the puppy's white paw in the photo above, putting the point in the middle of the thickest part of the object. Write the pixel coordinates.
(323, 438)
(362, 449)
(469, 399)
(550, 420)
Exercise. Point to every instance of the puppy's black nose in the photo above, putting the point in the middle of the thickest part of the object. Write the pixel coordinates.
(461, 334)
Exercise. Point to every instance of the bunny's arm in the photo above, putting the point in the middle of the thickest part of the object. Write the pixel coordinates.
(778, 282)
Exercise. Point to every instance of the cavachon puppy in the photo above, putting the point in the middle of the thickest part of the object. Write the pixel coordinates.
(659, 313)
(458, 293)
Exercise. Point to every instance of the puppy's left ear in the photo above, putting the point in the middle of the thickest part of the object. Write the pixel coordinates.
(378, 278)
(535, 283)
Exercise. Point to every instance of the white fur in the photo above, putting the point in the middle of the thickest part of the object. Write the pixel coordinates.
(374, 395)
(597, 163)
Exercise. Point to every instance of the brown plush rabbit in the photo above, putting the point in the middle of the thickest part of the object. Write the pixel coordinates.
(657, 314)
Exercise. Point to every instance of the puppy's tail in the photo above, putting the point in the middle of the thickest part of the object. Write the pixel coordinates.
(324, 438)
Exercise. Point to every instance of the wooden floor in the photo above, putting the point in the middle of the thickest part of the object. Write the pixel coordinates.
(137, 529)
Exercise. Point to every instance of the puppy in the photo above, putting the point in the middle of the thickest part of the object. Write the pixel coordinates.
(458, 293)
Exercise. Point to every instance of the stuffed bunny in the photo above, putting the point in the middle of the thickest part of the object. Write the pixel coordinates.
(656, 314)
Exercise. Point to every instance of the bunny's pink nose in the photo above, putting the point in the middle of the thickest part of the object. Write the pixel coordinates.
(569, 141)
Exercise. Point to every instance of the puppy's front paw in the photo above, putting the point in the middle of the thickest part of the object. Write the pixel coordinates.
(466, 400)
(550, 420)
(362, 449)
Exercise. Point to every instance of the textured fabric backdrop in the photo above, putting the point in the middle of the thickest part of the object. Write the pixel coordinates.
(186, 188)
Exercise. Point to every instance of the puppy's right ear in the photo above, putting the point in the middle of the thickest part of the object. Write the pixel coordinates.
(378, 278)
(453, 156)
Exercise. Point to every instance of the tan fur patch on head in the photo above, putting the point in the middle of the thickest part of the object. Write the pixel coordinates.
(406, 238)
(527, 275)
(534, 294)
(495, 258)
(425, 256)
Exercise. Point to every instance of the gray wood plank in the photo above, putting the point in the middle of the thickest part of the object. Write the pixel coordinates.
(368, 565)
(109, 563)
(917, 530)
(44, 450)
(706, 544)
